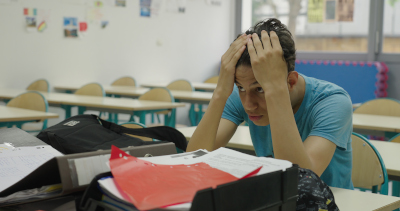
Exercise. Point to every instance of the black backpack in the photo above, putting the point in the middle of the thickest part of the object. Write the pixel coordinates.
(85, 133)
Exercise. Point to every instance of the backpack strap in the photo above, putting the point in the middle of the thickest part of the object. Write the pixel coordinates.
(162, 133)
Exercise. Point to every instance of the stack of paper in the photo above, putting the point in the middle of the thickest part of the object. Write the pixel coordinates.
(133, 184)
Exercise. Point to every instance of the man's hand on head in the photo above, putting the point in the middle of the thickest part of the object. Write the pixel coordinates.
(266, 56)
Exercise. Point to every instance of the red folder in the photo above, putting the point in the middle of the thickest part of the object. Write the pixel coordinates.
(150, 186)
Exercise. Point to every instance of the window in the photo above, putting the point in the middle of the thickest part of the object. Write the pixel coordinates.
(317, 25)
(391, 27)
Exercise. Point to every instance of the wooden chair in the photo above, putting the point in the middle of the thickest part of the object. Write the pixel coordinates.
(395, 139)
(164, 95)
(184, 85)
(369, 171)
(125, 81)
(41, 85)
(212, 80)
(31, 100)
(92, 89)
(136, 125)
(180, 85)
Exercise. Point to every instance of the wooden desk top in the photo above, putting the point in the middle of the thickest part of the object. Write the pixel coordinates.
(96, 102)
(390, 153)
(196, 85)
(240, 140)
(376, 122)
(185, 96)
(358, 200)
(10, 114)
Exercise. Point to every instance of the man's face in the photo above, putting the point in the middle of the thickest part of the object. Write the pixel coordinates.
(252, 96)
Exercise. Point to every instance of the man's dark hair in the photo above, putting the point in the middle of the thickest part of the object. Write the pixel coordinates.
(285, 39)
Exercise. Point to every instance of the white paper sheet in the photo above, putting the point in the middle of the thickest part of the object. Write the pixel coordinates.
(17, 163)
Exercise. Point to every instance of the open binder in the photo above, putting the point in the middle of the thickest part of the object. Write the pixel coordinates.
(269, 192)
(61, 169)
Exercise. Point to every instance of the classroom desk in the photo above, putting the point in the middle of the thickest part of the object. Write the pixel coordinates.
(196, 85)
(109, 104)
(10, 115)
(376, 122)
(348, 200)
(240, 140)
(194, 97)
(390, 153)
(128, 91)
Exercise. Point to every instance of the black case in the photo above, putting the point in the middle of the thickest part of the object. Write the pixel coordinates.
(275, 191)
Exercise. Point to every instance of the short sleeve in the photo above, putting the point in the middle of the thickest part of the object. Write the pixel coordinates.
(234, 110)
(332, 118)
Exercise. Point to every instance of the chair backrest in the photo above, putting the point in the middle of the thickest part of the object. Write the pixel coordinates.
(31, 100)
(212, 80)
(124, 81)
(92, 89)
(368, 167)
(380, 106)
(158, 94)
(136, 125)
(395, 139)
(41, 85)
(180, 85)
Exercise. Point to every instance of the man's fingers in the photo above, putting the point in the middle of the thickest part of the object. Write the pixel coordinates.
(266, 40)
(252, 51)
(276, 45)
(257, 43)
(235, 46)
(237, 55)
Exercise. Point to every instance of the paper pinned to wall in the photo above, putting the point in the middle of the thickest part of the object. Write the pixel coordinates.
(70, 27)
(145, 8)
(315, 11)
(94, 15)
(120, 3)
(214, 2)
(43, 19)
(176, 6)
(345, 10)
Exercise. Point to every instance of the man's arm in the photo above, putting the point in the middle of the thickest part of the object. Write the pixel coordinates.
(212, 132)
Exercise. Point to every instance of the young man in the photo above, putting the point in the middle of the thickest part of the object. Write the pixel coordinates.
(290, 116)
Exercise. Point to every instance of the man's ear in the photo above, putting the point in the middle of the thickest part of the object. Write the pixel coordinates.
(292, 79)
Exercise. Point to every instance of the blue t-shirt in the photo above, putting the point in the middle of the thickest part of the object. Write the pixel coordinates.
(326, 111)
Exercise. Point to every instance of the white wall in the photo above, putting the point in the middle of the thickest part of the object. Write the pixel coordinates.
(164, 48)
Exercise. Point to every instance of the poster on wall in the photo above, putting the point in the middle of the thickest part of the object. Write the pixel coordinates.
(145, 8)
(345, 10)
(176, 6)
(120, 3)
(315, 11)
(70, 27)
(30, 23)
(30, 19)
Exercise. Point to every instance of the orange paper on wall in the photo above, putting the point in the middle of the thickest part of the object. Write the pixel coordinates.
(150, 186)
